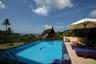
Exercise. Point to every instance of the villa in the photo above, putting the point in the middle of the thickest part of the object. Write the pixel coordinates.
(45, 32)
(48, 33)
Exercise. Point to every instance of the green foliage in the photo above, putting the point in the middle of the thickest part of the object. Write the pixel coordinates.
(28, 38)
(70, 33)
(76, 32)
(8, 36)
(57, 36)
(23, 37)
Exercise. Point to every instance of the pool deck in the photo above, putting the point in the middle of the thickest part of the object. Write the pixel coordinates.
(78, 60)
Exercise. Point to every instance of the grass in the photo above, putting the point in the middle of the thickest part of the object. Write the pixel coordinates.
(10, 45)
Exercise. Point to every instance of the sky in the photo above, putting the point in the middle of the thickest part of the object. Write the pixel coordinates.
(34, 16)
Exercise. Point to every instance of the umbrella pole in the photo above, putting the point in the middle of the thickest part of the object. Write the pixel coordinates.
(85, 32)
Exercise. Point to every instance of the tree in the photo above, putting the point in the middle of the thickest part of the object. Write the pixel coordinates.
(9, 30)
(6, 23)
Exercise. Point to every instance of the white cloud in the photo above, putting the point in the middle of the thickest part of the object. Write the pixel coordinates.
(59, 27)
(47, 6)
(41, 11)
(93, 13)
(2, 5)
(47, 26)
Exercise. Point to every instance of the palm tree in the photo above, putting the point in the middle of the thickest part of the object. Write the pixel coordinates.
(6, 23)
(9, 30)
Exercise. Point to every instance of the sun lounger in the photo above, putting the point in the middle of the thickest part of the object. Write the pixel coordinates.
(76, 45)
(85, 52)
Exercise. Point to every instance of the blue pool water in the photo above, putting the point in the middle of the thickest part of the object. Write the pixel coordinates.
(45, 52)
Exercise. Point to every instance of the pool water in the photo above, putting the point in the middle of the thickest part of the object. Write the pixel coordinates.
(45, 52)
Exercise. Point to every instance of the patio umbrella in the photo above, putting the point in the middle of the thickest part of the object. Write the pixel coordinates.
(84, 24)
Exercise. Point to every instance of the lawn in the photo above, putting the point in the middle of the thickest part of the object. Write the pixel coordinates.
(10, 45)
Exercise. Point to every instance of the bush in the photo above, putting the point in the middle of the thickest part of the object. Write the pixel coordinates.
(74, 33)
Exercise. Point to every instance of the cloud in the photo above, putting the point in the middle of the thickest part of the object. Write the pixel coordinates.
(47, 26)
(41, 11)
(93, 13)
(43, 7)
(59, 27)
(2, 5)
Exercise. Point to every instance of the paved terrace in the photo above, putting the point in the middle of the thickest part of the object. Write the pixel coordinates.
(78, 60)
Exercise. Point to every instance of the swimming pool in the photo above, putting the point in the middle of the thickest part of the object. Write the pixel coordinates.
(45, 52)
